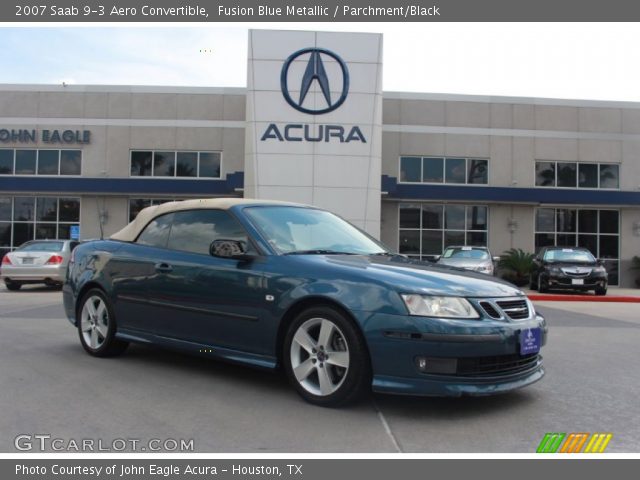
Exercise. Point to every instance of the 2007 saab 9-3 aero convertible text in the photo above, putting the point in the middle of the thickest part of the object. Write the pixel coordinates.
(273, 284)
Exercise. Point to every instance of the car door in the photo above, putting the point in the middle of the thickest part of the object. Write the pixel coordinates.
(205, 299)
(131, 268)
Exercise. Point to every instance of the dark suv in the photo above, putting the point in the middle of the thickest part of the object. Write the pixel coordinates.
(569, 268)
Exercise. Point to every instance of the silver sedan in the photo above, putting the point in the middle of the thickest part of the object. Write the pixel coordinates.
(478, 259)
(37, 261)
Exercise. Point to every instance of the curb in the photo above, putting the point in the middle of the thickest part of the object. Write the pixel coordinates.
(583, 298)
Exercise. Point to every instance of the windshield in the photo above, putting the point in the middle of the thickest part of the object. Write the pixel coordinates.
(42, 247)
(568, 255)
(466, 252)
(305, 230)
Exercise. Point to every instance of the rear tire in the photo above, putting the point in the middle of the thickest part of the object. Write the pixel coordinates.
(97, 327)
(13, 286)
(326, 358)
(532, 283)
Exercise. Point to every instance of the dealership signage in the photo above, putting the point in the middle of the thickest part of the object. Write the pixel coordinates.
(298, 132)
(315, 73)
(20, 135)
(314, 121)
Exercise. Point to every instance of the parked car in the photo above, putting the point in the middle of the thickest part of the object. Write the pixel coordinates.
(478, 259)
(37, 261)
(568, 268)
(272, 284)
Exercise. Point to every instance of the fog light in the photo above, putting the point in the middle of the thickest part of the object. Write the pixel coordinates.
(437, 365)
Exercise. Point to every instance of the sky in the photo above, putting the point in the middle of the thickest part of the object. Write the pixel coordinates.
(559, 60)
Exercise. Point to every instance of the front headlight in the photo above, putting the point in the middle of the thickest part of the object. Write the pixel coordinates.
(445, 307)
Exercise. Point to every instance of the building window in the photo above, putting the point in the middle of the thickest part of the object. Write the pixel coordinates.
(577, 175)
(597, 230)
(18, 161)
(147, 163)
(31, 218)
(426, 228)
(444, 170)
(137, 204)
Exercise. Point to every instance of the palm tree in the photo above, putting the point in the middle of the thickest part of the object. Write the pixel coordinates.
(516, 265)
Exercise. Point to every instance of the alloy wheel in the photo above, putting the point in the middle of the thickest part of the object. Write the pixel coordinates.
(319, 356)
(94, 322)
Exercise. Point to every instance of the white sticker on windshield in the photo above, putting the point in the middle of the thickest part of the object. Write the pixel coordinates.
(467, 248)
(568, 250)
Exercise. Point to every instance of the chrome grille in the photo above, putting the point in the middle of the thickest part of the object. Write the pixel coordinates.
(514, 309)
(490, 309)
(577, 271)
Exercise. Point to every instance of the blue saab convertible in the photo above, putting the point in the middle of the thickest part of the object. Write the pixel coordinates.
(274, 284)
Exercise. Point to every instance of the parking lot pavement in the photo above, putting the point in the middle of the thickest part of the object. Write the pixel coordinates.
(50, 386)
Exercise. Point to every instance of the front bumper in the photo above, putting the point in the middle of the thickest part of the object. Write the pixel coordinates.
(590, 282)
(54, 273)
(395, 342)
(456, 386)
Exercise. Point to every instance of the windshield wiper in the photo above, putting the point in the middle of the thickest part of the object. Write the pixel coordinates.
(319, 251)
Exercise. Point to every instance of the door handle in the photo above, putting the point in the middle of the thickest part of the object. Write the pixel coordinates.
(163, 267)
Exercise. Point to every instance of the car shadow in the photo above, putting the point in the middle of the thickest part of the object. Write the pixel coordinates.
(200, 365)
(437, 408)
(275, 382)
(33, 289)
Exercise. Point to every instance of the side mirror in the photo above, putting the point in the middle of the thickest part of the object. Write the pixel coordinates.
(234, 249)
(436, 257)
(496, 258)
(600, 261)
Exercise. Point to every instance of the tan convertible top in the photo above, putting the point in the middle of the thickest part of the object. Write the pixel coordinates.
(131, 231)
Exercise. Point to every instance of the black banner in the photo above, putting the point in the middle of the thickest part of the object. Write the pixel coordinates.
(313, 469)
(319, 11)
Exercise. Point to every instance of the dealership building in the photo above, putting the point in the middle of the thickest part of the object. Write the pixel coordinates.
(419, 171)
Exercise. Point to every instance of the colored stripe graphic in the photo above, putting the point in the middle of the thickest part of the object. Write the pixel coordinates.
(573, 442)
(550, 442)
(598, 443)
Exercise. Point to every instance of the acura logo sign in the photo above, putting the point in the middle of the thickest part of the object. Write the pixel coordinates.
(314, 72)
(296, 84)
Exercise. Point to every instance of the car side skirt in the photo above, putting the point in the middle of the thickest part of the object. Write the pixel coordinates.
(199, 349)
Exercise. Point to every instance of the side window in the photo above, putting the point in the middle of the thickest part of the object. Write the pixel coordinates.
(194, 230)
(156, 233)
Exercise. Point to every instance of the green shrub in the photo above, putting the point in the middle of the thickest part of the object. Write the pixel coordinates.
(515, 266)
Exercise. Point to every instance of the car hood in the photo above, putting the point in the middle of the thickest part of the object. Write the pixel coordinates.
(464, 262)
(411, 276)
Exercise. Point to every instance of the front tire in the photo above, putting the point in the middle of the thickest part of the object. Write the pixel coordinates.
(97, 325)
(542, 285)
(326, 358)
(601, 290)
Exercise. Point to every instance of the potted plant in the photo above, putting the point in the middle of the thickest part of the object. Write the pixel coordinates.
(515, 266)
